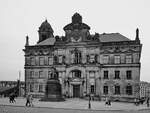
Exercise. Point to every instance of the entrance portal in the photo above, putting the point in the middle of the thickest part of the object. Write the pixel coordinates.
(76, 91)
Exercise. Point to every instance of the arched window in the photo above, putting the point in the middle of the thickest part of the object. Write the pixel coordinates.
(76, 73)
(129, 90)
(78, 56)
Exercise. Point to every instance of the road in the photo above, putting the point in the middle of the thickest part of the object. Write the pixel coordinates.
(21, 109)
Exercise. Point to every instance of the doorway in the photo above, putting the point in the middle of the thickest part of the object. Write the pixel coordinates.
(76, 91)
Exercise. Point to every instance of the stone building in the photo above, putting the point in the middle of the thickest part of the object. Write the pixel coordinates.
(105, 64)
(144, 89)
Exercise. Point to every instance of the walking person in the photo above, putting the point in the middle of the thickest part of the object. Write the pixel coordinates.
(147, 102)
(109, 102)
(31, 100)
(28, 100)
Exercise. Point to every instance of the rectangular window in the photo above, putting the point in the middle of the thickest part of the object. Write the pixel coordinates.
(31, 74)
(32, 59)
(92, 74)
(31, 87)
(40, 74)
(128, 59)
(117, 59)
(50, 61)
(60, 59)
(117, 90)
(41, 61)
(49, 74)
(40, 88)
(92, 88)
(105, 59)
(129, 74)
(129, 90)
(105, 74)
(92, 58)
(105, 90)
(117, 74)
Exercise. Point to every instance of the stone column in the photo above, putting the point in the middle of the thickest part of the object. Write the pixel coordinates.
(87, 83)
(97, 83)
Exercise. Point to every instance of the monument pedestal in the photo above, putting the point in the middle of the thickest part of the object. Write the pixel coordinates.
(53, 89)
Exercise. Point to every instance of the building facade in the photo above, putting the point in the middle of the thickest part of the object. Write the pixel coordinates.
(144, 89)
(105, 64)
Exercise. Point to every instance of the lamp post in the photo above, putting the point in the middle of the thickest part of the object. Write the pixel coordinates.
(89, 101)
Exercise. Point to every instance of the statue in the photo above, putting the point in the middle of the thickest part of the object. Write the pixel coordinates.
(53, 88)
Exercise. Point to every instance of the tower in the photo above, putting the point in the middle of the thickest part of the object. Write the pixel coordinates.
(45, 31)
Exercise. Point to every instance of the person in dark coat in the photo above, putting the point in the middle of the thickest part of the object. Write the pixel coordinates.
(28, 100)
(147, 102)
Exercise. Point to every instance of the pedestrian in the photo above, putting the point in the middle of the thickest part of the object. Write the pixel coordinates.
(12, 98)
(109, 102)
(147, 102)
(28, 100)
(106, 101)
(31, 100)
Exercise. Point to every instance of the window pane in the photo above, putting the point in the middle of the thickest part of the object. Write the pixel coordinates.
(50, 61)
(128, 59)
(40, 74)
(31, 74)
(41, 61)
(105, 74)
(129, 74)
(105, 90)
(40, 88)
(32, 61)
(117, 89)
(92, 88)
(117, 59)
(129, 90)
(31, 87)
(105, 59)
(60, 59)
(117, 74)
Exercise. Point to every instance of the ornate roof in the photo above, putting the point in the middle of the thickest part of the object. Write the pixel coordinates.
(45, 26)
(76, 23)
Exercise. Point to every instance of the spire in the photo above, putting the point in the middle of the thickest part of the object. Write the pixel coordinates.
(137, 35)
(27, 41)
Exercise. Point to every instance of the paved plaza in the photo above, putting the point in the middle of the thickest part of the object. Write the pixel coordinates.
(69, 106)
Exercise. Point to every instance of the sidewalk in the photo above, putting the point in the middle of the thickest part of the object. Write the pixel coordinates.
(76, 104)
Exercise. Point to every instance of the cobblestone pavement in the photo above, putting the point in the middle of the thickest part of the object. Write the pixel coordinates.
(69, 106)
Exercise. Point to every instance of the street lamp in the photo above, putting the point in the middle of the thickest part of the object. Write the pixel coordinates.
(89, 101)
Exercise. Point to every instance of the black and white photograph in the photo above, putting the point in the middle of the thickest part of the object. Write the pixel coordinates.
(74, 56)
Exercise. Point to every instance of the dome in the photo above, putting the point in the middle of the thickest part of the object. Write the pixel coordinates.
(45, 26)
(76, 18)
(76, 23)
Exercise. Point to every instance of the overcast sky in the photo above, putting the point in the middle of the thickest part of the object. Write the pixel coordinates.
(19, 18)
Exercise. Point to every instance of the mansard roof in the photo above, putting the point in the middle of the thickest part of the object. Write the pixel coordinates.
(105, 37)
(112, 37)
(49, 41)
